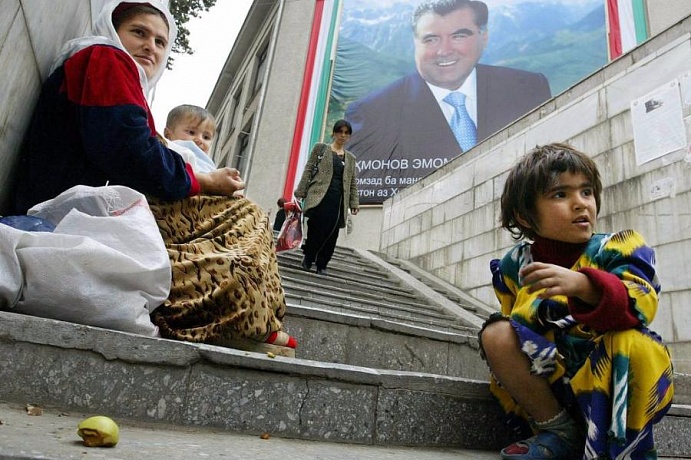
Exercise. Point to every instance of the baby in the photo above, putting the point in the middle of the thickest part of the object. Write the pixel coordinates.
(191, 130)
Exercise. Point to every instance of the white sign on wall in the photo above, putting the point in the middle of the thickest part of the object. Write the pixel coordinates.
(685, 85)
(658, 123)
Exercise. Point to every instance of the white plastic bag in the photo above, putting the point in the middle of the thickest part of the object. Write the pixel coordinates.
(104, 265)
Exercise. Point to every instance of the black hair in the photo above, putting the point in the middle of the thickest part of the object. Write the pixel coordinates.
(534, 174)
(340, 124)
(444, 7)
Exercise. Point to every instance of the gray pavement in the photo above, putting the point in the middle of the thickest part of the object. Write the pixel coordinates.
(53, 435)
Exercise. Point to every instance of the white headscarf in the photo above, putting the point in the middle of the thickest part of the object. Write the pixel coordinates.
(105, 34)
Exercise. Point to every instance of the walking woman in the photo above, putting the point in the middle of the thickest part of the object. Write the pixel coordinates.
(329, 189)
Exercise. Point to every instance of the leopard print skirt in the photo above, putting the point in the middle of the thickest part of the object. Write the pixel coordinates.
(225, 281)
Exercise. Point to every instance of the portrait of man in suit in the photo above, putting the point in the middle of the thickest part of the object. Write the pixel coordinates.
(417, 123)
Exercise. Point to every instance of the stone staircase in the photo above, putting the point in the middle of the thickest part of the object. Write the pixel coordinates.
(387, 356)
(363, 315)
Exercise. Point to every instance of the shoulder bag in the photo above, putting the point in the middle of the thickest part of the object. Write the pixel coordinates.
(315, 168)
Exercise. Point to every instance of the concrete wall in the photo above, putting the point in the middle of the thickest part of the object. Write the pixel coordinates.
(448, 225)
(664, 13)
(31, 33)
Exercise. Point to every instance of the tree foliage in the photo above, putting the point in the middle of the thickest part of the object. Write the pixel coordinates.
(182, 11)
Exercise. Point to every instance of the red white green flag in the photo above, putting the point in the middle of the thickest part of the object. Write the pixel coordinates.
(315, 88)
(627, 25)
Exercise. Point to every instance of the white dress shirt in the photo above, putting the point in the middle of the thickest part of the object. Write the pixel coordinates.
(469, 88)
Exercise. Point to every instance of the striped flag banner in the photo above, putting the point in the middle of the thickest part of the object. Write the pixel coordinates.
(627, 25)
(315, 89)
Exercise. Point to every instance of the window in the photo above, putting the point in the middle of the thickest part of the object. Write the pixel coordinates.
(242, 151)
(234, 110)
(221, 163)
(261, 68)
(216, 146)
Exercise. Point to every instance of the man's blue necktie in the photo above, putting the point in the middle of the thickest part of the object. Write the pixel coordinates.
(462, 126)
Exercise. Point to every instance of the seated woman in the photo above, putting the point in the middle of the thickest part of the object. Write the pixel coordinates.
(93, 126)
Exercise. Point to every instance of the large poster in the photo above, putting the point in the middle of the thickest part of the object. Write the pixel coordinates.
(423, 83)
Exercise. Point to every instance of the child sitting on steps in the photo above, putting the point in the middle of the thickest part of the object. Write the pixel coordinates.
(572, 359)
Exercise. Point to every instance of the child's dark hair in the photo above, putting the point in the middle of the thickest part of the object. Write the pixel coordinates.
(533, 175)
(340, 124)
(183, 112)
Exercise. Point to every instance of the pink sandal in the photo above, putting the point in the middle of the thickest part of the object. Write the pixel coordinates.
(546, 445)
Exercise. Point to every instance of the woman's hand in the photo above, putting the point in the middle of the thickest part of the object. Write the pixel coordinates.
(223, 181)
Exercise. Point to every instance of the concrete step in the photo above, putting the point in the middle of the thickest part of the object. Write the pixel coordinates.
(345, 319)
(370, 303)
(375, 284)
(389, 312)
(361, 277)
(82, 369)
(348, 285)
(52, 435)
(381, 343)
(345, 263)
(385, 359)
(440, 286)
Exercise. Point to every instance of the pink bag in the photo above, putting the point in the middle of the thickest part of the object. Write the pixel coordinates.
(290, 236)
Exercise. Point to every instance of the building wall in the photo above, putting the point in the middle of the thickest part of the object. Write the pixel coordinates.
(277, 120)
(665, 13)
(270, 112)
(237, 100)
(273, 109)
(31, 34)
(448, 223)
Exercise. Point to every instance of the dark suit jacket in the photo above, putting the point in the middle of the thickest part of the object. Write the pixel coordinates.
(403, 120)
(400, 133)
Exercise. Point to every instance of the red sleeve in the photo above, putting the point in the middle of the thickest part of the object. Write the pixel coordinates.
(613, 313)
(103, 76)
(195, 188)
